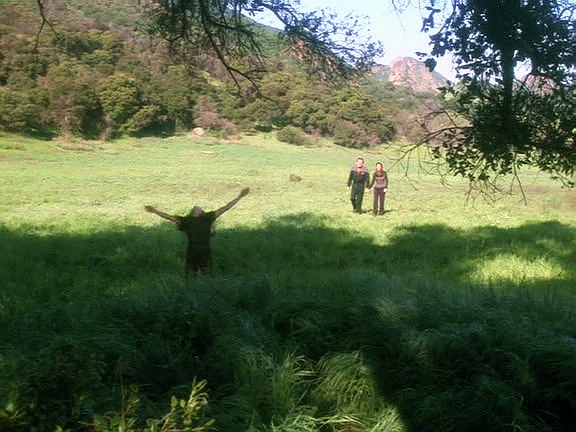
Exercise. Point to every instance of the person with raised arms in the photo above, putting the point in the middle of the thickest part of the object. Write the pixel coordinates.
(197, 225)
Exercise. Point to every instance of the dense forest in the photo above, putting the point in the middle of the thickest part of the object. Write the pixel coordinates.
(93, 72)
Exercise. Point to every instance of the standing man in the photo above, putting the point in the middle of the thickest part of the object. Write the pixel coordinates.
(358, 181)
(197, 226)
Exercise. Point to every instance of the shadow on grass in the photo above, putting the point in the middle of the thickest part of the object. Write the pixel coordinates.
(113, 303)
(296, 242)
(436, 251)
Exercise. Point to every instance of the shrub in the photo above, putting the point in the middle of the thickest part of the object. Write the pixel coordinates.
(348, 134)
(293, 135)
(212, 121)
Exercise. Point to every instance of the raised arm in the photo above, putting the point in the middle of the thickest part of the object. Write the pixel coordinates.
(166, 216)
(232, 203)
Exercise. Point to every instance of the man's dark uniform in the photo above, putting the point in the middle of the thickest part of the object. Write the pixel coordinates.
(358, 180)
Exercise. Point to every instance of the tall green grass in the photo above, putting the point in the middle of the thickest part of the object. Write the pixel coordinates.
(448, 313)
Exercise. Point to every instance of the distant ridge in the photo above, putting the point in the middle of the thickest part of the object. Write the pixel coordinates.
(411, 73)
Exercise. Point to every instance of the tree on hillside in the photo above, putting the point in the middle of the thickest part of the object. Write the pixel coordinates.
(495, 123)
(120, 98)
(74, 105)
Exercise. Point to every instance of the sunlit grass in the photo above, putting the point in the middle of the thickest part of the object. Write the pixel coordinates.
(514, 269)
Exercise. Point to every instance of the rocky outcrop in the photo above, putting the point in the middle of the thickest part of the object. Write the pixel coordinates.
(411, 73)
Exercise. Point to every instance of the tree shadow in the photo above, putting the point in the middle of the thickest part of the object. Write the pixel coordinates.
(435, 251)
(300, 241)
(459, 362)
(420, 360)
(57, 263)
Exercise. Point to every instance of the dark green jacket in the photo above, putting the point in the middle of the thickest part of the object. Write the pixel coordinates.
(359, 179)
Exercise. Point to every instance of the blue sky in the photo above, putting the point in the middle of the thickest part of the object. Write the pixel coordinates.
(399, 33)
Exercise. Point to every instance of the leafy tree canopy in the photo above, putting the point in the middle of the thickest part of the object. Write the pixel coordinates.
(496, 123)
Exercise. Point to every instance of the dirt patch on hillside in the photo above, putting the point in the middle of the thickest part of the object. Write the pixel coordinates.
(76, 145)
(16, 157)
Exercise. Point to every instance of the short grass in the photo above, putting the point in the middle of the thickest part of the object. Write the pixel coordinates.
(448, 313)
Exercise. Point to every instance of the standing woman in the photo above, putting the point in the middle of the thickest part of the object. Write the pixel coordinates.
(380, 185)
(358, 180)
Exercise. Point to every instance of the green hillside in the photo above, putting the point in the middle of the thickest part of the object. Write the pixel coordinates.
(95, 73)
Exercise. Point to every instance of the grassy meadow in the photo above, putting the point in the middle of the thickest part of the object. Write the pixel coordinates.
(449, 313)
